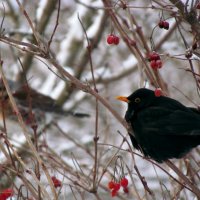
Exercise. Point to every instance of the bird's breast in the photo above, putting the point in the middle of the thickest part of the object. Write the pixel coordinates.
(129, 115)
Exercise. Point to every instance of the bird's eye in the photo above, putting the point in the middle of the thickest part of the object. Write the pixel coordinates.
(137, 100)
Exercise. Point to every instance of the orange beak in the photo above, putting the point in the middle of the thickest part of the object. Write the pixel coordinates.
(122, 98)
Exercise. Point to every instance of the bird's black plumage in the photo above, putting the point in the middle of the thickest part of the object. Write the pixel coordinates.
(163, 128)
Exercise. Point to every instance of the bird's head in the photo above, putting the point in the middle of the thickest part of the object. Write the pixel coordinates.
(138, 100)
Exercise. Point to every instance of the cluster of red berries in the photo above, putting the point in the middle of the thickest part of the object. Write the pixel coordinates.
(154, 60)
(158, 92)
(115, 186)
(56, 182)
(5, 194)
(163, 24)
(112, 39)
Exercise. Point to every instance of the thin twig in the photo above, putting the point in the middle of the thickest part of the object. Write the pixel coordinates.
(96, 138)
(56, 25)
(29, 21)
(193, 188)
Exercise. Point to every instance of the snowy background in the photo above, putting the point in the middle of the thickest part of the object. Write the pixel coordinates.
(67, 145)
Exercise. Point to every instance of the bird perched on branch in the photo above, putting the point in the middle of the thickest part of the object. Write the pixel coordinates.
(29, 100)
(162, 128)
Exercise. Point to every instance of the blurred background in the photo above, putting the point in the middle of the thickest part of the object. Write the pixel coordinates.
(86, 153)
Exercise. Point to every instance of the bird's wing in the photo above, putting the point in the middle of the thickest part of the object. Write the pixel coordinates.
(169, 122)
(196, 110)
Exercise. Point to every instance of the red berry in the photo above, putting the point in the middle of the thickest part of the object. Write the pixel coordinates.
(114, 193)
(166, 25)
(158, 92)
(116, 40)
(124, 182)
(110, 39)
(6, 194)
(56, 182)
(161, 24)
(126, 190)
(198, 6)
(159, 63)
(153, 64)
(111, 185)
(117, 186)
(153, 56)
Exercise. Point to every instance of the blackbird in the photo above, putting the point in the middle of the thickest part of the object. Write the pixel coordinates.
(162, 128)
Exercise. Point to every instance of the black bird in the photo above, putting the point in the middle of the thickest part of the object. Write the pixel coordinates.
(163, 128)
